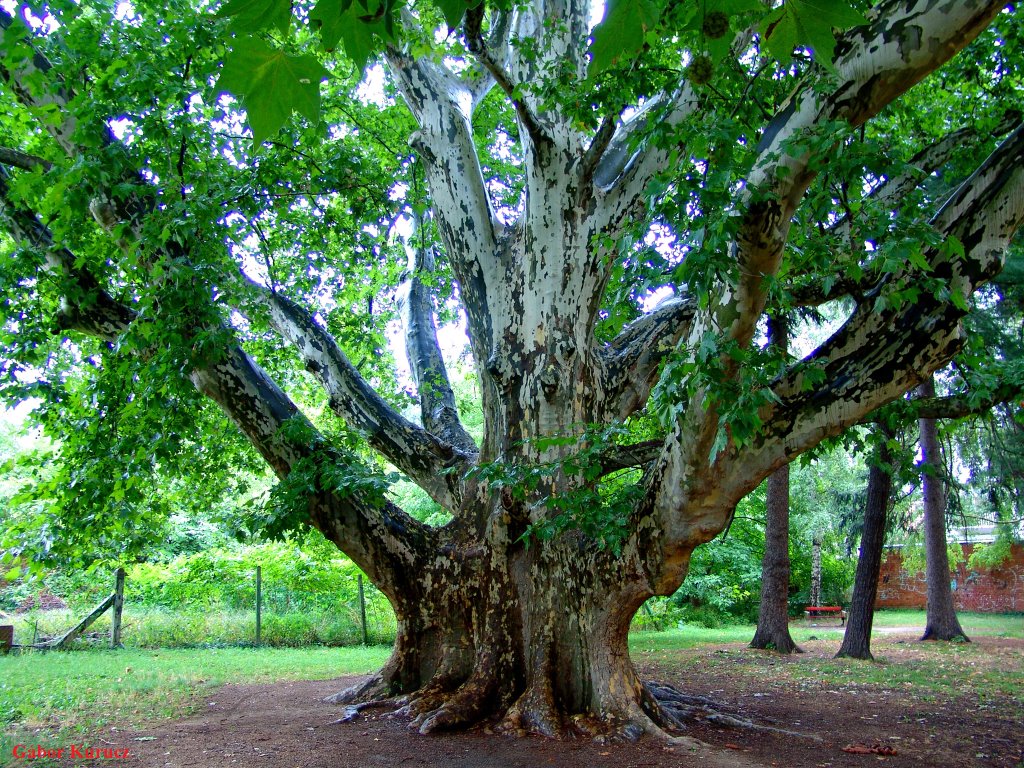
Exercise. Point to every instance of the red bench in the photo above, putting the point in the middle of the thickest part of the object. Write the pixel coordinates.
(816, 611)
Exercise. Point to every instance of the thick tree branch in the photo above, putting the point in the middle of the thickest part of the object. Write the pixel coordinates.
(86, 306)
(622, 158)
(381, 538)
(877, 63)
(620, 457)
(962, 406)
(623, 165)
(17, 76)
(632, 361)
(417, 453)
(877, 356)
(469, 229)
(27, 162)
(385, 542)
(817, 294)
(439, 412)
(890, 193)
(495, 67)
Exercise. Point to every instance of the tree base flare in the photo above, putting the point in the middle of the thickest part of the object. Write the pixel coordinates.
(470, 705)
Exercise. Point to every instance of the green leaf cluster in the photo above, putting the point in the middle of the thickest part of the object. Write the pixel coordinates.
(332, 464)
(271, 85)
(808, 24)
(573, 492)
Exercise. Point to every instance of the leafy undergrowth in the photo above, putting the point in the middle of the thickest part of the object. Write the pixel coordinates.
(157, 627)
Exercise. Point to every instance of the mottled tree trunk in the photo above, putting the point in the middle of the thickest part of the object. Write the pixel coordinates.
(534, 637)
(941, 622)
(773, 615)
(861, 613)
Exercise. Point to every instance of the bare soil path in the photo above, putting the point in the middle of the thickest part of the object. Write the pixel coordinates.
(902, 724)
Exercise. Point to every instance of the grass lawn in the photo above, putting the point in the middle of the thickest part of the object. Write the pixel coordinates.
(930, 669)
(690, 636)
(80, 692)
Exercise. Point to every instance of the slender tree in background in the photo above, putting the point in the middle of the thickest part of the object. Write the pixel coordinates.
(941, 622)
(552, 158)
(861, 612)
(773, 613)
(816, 569)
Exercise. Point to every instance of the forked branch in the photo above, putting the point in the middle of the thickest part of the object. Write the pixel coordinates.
(416, 452)
(495, 66)
(632, 361)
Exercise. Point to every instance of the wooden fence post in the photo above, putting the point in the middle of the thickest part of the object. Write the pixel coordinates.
(362, 611)
(115, 624)
(259, 601)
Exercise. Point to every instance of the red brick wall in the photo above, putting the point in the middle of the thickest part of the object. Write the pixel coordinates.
(1000, 590)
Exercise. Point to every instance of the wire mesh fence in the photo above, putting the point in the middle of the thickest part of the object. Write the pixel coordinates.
(224, 609)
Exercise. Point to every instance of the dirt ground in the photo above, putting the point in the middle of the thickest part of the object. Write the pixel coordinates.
(287, 725)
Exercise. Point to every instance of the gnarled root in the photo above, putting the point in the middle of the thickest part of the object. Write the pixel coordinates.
(534, 712)
(352, 711)
(678, 707)
(468, 704)
(431, 696)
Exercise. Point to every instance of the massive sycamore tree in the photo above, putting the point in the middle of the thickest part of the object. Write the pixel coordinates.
(769, 183)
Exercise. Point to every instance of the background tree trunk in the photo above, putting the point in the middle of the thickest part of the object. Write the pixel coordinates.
(773, 614)
(815, 597)
(941, 622)
(861, 614)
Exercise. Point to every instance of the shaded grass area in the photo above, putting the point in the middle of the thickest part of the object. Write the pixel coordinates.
(690, 636)
(981, 624)
(56, 697)
(927, 669)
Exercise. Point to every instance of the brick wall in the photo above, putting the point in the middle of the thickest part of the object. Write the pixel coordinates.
(1000, 590)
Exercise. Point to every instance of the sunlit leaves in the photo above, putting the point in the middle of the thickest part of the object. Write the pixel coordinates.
(277, 82)
(271, 85)
(253, 15)
(623, 32)
(454, 10)
(808, 24)
(347, 22)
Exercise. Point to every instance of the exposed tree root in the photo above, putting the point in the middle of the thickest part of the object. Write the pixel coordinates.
(470, 703)
(430, 697)
(443, 705)
(534, 712)
(352, 711)
(373, 687)
(678, 707)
